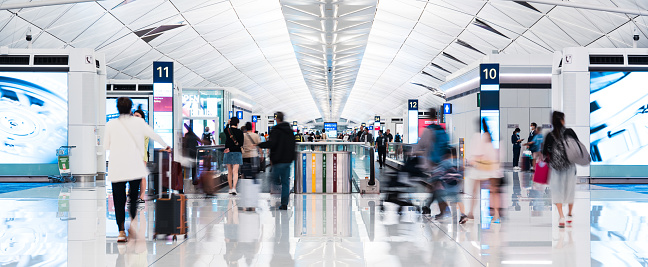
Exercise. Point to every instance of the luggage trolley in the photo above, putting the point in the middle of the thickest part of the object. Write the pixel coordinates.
(65, 174)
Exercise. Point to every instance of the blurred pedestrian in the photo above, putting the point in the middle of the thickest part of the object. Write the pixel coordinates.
(433, 147)
(282, 154)
(123, 137)
(562, 173)
(190, 144)
(233, 157)
(485, 166)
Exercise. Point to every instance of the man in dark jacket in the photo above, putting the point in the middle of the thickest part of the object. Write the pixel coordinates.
(282, 154)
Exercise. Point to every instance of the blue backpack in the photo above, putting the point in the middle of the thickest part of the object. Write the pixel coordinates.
(441, 144)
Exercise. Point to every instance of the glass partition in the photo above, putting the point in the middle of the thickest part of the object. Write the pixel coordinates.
(210, 158)
(362, 158)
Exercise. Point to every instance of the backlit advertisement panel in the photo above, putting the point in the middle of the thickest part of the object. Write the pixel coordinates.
(33, 116)
(618, 119)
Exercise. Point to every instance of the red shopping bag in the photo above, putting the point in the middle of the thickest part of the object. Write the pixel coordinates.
(541, 175)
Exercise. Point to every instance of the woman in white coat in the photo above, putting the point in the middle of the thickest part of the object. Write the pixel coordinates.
(123, 138)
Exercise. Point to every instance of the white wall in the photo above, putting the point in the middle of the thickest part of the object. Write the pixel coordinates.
(463, 121)
(522, 107)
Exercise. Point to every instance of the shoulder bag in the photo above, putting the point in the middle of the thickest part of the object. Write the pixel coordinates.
(576, 152)
(229, 132)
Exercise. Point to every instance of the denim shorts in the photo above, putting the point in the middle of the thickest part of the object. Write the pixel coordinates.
(233, 158)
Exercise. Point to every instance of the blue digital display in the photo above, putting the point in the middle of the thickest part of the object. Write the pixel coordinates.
(331, 129)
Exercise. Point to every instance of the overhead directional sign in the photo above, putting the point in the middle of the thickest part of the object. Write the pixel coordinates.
(239, 115)
(447, 108)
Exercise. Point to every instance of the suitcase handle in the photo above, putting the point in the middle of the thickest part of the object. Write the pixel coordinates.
(170, 190)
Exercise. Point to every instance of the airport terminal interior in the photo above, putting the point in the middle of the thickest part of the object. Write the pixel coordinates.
(323, 133)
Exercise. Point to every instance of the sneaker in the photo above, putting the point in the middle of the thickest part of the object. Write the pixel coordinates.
(561, 223)
(140, 201)
(425, 211)
(234, 191)
(230, 191)
(463, 219)
(283, 207)
(121, 237)
(569, 220)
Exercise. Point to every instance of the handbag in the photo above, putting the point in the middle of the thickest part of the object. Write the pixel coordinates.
(576, 151)
(541, 175)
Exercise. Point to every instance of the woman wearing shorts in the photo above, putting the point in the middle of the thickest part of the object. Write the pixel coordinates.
(233, 157)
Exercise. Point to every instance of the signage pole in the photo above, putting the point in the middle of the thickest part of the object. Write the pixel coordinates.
(412, 121)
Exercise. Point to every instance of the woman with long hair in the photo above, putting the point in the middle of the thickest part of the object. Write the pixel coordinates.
(233, 157)
(485, 166)
(562, 173)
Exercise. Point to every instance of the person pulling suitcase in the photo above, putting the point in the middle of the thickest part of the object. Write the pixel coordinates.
(249, 185)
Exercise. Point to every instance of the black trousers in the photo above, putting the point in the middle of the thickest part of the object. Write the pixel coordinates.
(516, 155)
(119, 199)
(382, 155)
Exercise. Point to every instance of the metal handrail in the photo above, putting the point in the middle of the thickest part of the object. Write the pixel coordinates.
(330, 143)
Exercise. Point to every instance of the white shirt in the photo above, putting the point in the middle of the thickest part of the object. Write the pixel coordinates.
(123, 138)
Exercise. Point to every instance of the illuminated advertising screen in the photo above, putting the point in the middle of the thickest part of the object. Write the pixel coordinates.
(33, 116)
(331, 129)
(138, 103)
(492, 120)
(618, 119)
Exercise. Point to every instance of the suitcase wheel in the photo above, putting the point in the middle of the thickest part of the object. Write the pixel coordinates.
(175, 238)
(155, 236)
(186, 236)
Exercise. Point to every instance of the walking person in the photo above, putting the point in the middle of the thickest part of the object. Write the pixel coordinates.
(381, 147)
(190, 144)
(123, 138)
(433, 147)
(207, 137)
(562, 173)
(389, 136)
(233, 157)
(515, 140)
(140, 114)
(251, 150)
(282, 154)
(485, 166)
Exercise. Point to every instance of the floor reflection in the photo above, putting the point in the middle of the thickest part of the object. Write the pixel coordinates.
(73, 225)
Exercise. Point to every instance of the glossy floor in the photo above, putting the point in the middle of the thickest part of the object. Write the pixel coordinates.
(73, 225)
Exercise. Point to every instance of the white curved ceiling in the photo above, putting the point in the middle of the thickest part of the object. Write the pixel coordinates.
(246, 44)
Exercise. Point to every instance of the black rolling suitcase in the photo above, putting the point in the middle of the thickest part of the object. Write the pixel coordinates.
(170, 208)
(526, 161)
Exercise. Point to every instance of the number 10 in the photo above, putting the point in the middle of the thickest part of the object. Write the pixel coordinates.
(166, 69)
(490, 74)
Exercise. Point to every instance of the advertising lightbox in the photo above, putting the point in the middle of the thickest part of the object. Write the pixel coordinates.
(34, 116)
(618, 119)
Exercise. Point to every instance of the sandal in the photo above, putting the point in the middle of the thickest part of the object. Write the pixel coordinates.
(122, 237)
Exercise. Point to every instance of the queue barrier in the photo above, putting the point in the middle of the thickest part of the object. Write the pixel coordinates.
(323, 172)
